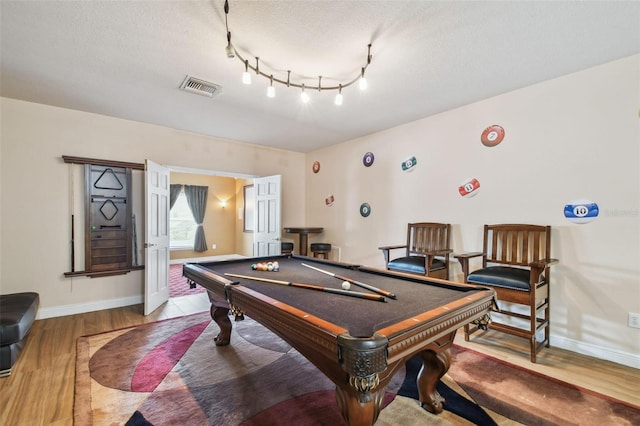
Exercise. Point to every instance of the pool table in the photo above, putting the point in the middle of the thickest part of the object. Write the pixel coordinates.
(358, 343)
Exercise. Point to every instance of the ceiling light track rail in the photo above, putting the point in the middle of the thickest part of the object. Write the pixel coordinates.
(232, 52)
(290, 83)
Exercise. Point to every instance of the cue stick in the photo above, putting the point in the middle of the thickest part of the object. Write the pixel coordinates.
(358, 283)
(135, 240)
(73, 246)
(72, 202)
(367, 296)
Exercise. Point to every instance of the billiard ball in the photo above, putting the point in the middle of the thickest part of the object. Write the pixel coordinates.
(346, 285)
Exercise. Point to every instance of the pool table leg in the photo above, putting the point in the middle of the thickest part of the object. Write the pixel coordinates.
(434, 366)
(220, 314)
(355, 412)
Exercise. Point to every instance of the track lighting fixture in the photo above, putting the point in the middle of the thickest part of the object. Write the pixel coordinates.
(271, 91)
(338, 100)
(304, 96)
(246, 77)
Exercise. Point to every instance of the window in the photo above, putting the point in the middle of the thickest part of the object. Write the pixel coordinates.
(182, 227)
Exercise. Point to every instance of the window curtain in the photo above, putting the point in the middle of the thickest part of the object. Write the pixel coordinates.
(197, 200)
(174, 191)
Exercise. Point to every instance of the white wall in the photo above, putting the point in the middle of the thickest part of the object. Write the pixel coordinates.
(35, 207)
(575, 137)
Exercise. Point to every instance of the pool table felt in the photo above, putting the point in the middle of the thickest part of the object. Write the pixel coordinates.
(360, 316)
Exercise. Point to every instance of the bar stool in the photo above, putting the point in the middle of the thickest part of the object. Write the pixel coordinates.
(321, 250)
(286, 248)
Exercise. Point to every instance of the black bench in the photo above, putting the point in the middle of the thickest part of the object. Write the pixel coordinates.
(17, 314)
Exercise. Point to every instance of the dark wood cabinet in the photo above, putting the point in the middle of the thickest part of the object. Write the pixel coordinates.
(108, 225)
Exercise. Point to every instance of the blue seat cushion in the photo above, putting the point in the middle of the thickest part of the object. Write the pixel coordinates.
(414, 265)
(502, 276)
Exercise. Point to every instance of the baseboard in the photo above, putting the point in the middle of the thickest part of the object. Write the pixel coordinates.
(619, 357)
(81, 308)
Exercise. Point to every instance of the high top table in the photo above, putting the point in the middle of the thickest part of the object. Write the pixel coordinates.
(304, 234)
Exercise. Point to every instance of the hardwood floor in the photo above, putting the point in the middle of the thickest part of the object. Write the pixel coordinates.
(604, 377)
(40, 390)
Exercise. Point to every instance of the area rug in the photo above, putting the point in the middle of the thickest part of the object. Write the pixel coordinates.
(178, 285)
(170, 372)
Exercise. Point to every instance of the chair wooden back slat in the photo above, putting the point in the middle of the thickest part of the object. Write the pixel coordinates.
(516, 245)
(525, 245)
(426, 237)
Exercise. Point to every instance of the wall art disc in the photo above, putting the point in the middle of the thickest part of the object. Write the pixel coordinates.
(581, 211)
(492, 135)
(329, 200)
(365, 209)
(469, 188)
(368, 159)
(409, 164)
(315, 167)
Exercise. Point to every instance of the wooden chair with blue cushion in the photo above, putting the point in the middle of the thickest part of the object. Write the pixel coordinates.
(426, 252)
(515, 263)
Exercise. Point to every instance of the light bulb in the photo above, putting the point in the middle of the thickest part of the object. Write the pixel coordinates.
(230, 52)
(246, 77)
(271, 91)
(338, 100)
(363, 83)
(304, 96)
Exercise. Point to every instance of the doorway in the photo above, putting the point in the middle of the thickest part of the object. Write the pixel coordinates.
(223, 223)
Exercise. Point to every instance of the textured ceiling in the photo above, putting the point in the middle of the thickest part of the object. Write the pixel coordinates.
(127, 59)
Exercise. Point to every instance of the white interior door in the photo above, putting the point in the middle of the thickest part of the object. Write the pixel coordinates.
(156, 240)
(266, 234)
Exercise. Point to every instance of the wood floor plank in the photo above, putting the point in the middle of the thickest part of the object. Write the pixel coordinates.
(600, 376)
(29, 393)
(62, 382)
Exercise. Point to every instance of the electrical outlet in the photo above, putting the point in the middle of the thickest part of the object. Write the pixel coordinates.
(634, 320)
(213, 246)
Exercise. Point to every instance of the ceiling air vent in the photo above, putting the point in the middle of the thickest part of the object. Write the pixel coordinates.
(200, 87)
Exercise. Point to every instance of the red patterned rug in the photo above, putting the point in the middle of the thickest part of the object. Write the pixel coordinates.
(178, 285)
(170, 372)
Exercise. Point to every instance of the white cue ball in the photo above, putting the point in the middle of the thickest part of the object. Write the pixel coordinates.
(346, 285)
